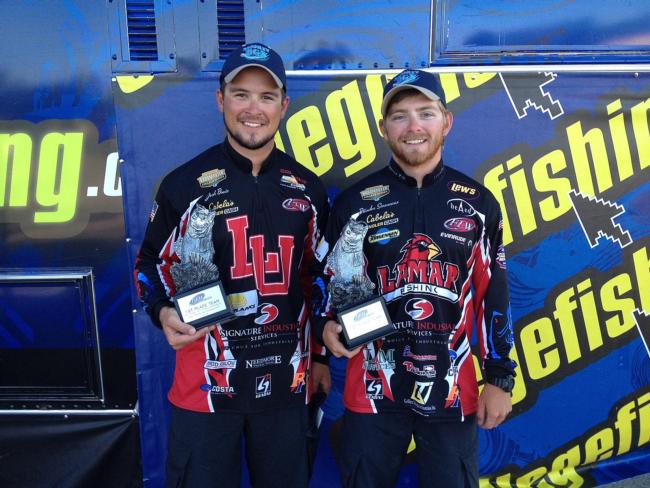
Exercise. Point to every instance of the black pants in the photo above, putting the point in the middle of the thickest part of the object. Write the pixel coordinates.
(374, 446)
(205, 449)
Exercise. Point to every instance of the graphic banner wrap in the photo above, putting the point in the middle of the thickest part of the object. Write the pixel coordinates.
(567, 155)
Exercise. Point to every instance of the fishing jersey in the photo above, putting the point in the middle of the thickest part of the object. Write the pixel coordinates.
(435, 254)
(259, 233)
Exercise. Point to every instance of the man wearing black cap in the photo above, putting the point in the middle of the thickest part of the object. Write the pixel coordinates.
(434, 252)
(248, 213)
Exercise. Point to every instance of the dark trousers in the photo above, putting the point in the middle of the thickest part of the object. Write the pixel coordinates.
(205, 449)
(374, 447)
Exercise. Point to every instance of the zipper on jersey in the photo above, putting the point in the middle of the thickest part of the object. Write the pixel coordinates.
(418, 221)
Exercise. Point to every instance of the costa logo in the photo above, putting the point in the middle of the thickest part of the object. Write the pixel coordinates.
(268, 313)
(198, 298)
(468, 191)
(460, 224)
(419, 308)
(295, 205)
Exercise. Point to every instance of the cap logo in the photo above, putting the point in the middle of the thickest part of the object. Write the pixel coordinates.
(255, 52)
(406, 77)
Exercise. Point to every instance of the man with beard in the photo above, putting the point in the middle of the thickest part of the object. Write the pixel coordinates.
(434, 252)
(249, 215)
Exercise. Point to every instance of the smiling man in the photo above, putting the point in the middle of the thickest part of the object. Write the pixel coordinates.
(433, 250)
(244, 213)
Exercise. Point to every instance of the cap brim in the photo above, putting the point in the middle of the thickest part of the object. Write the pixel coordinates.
(236, 71)
(395, 90)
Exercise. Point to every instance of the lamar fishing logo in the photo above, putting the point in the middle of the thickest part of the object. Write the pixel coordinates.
(227, 364)
(296, 205)
(211, 178)
(419, 272)
(268, 313)
(468, 191)
(375, 192)
(374, 389)
(460, 224)
(419, 308)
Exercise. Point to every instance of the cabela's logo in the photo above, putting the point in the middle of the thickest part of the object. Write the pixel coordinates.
(211, 178)
(375, 192)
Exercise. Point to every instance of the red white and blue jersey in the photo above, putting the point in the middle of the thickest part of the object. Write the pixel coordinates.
(435, 254)
(260, 232)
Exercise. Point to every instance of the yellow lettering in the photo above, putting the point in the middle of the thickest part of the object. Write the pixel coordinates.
(305, 129)
(564, 307)
(578, 142)
(552, 207)
(644, 419)
(590, 315)
(61, 194)
(533, 478)
(563, 470)
(520, 191)
(538, 344)
(623, 425)
(641, 132)
(610, 298)
(449, 84)
(642, 271)
(473, 80)
(375, 89)
(355, 141)
(494, 182)
(599, 446)
(17, 150)
(620, 141)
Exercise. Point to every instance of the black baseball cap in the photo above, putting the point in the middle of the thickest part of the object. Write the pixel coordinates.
(422, 81)
(254, 54)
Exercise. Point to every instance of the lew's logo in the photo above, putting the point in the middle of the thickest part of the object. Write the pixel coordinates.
(460, 224)
(375, 192)
(468, 191)
(200, 297)
(295, 205)
(211, 178)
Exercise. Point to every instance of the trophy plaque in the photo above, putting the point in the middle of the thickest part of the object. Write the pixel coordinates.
(200, 298)
(361, 313)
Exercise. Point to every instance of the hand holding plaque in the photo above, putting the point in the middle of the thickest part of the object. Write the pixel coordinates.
(200, 298)
(361, 313)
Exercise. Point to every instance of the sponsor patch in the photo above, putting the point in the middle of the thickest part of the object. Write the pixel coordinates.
(296, 205)
(428, 370)
(460, 224)
(211, 178)
(383, 236)
(218, 390)
(419, 308)
(381, 360)
(268, 313)
(418, 357)
(263, 386)
(375, 192)
(374, 389)
(501, 257)
(291, 181)
(422, 392)
(262, 362)
(299, 382)
(154, 210)
(469, 191)
(461, 206)
(244, 303)
(454, 237)
(223, 207)
(227, 364)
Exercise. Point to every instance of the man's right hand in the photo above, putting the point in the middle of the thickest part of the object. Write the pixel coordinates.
(333, 342)
(178, 333)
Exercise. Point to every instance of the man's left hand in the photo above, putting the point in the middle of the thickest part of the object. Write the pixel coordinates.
(320, 377)
(494, 405)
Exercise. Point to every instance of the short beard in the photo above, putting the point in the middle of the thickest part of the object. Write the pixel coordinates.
(417, 159)
(248, 144)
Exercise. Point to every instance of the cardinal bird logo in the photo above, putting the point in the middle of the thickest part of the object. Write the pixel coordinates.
(419, 248)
